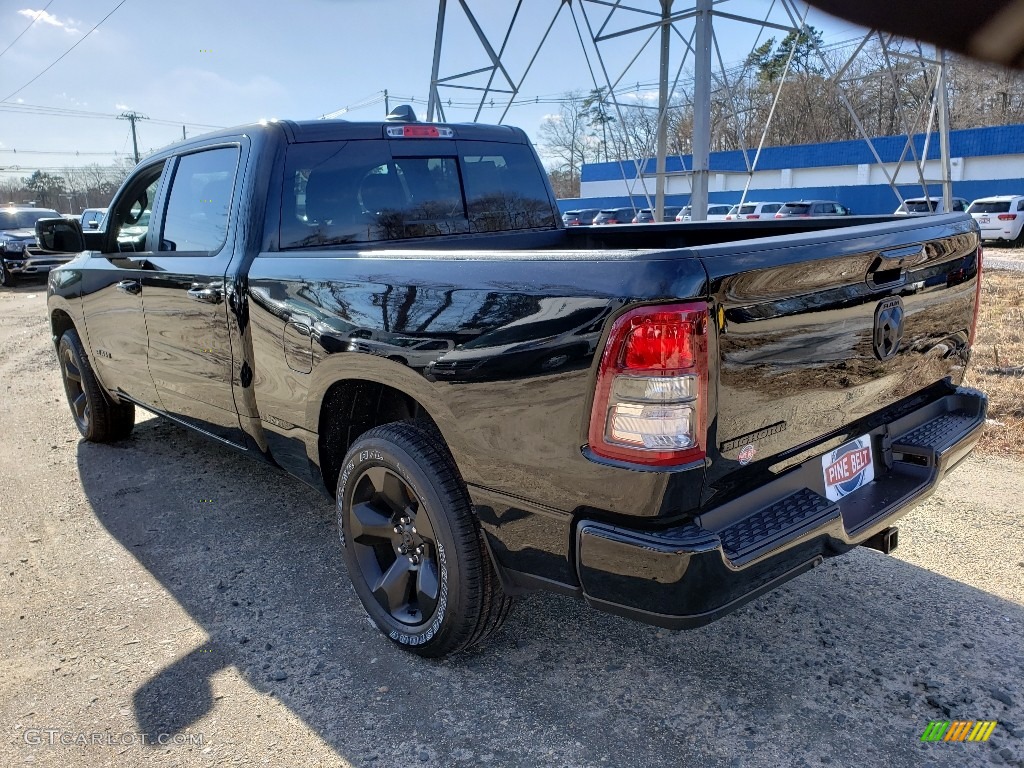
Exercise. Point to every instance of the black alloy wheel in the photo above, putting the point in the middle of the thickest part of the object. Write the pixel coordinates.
(77, 399)
(395, 545)
(412, 544)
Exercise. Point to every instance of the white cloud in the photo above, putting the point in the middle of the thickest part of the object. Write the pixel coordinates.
(121, 106)
(49, 18)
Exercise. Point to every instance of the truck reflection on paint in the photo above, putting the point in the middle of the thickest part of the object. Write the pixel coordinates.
(561, 332)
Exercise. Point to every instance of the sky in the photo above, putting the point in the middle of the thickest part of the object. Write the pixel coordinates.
(217, 63)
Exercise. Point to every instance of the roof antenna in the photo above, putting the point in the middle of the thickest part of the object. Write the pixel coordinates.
(403, 113)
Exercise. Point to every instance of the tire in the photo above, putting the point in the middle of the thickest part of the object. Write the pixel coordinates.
(413, 547)
(7, 278)
(98, 418)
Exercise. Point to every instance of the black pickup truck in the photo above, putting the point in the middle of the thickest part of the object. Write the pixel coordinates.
(665, 420)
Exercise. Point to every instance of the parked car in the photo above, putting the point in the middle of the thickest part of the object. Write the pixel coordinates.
(92, 218)
(1000, 218)
(752, 211)
(580, 218)
(812, 208)
(916, 206)
(20, 255)
(646, 215)
(615, 216)
(704, 421)
(716, 212)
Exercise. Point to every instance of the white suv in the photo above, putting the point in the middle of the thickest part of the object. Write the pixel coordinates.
(752, 211)
(1000, 218)
(915, 206)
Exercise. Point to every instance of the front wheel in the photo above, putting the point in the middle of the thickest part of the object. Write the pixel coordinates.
(414, 550)
(7, 278)
(98, 418)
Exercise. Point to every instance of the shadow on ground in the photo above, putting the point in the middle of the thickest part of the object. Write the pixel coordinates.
(846, 665)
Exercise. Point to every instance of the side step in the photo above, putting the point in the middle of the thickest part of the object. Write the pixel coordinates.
(771, 527)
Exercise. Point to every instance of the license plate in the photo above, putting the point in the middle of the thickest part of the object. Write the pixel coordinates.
(983, 220)
(847, 468)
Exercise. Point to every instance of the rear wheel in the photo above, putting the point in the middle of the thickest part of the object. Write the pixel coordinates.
(98, 418)
(414, 550)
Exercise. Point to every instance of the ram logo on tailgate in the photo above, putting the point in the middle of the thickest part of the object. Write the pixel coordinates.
(889, 316)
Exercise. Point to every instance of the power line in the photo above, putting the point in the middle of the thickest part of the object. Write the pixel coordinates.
(36, 109)
(26, 29)
(59, 152)
(69, 50)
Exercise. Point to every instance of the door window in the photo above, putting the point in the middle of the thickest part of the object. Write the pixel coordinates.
(129, 219)
(196, 219)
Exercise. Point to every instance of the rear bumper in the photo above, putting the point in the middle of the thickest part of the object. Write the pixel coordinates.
(691, 575)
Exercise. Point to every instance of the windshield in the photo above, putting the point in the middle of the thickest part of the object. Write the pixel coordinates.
(25, 219)
(992, 206)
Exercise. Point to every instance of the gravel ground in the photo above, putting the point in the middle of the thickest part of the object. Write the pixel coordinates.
(165, 589)
(1002, 257)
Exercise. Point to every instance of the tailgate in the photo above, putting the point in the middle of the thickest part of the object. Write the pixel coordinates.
(824, 335)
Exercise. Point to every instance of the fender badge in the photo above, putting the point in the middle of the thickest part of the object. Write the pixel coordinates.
(746, 454)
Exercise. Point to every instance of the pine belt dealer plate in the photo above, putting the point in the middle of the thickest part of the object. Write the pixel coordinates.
(848, 467)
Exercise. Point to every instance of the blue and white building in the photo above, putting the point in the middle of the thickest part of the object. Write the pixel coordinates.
(984, 162)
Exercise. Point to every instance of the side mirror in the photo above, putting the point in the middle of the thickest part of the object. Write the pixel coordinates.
(60, 235)
(94, 223)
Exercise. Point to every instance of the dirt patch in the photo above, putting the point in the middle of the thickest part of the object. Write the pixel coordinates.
(997, 363)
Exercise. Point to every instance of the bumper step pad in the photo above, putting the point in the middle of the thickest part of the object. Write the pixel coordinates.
(774, 525)
(936, 435)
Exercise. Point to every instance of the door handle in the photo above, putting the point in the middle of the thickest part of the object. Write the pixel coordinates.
(210, 293)
(132, 287)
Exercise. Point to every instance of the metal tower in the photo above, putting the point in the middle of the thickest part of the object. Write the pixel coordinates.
(694, 25)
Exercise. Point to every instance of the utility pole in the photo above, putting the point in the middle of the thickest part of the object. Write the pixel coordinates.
(701, 112)
(387, 103)
(666, 38)
(183, 136)
(947, 183)
(132, 117)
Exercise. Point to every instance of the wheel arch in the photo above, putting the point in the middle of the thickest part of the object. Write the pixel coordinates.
(340, 408)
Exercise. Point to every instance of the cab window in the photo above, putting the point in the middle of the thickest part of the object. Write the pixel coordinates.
(196, 218)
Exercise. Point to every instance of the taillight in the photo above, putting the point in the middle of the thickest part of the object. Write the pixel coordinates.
(753, 216)
(635, 220)
(651, 397)
(779, 216)
(977, 301)
(1007, 216)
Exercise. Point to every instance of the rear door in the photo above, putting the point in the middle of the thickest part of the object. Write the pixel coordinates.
(818, 331)
(186, 313)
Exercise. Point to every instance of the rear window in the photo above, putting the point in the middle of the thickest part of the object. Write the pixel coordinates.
(796, 208)
(920, 206)
(338, 193)
(747, 209)
(989, 207)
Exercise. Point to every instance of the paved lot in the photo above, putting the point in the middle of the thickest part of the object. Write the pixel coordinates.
(165, 589)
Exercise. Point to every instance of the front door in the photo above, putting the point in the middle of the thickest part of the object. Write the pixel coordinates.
(186, 312)
(112, 292)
